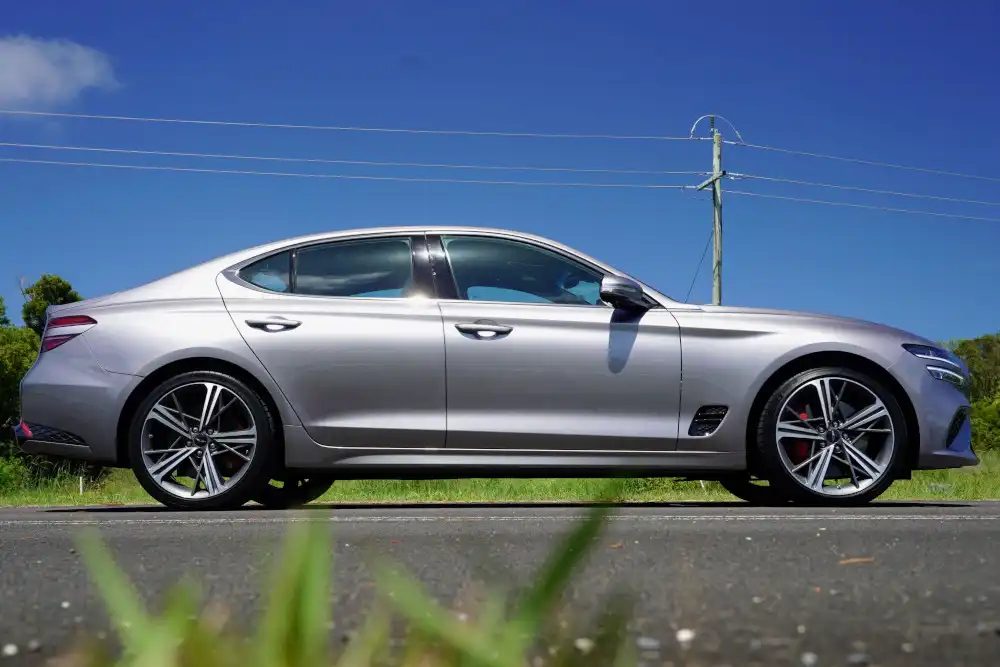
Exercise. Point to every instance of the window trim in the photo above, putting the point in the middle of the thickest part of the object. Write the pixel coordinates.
(443, 265)
(419, 263)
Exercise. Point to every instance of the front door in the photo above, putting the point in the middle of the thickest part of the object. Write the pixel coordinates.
(351, 338)
(536, 361)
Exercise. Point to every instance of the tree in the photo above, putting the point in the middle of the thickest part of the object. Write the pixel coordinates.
(49, 290)
(4, 322)
(986, 424)
(982, 356)
(18, 350)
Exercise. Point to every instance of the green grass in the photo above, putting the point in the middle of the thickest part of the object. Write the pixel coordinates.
(120, 488)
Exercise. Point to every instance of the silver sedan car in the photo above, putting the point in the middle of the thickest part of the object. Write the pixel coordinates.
(424, 353)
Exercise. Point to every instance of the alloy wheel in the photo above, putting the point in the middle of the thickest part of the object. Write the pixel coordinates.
(835, 436)
(198, 440)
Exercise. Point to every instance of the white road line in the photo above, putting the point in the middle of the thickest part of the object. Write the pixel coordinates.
(691, 518)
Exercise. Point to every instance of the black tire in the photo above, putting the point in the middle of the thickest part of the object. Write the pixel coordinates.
(257, 473)
(769, 458)
(296, 491)
(741, 485)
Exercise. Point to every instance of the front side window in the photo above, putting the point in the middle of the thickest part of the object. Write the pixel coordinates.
(381, 268)
(488, 269)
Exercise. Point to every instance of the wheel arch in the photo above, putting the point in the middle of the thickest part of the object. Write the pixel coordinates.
(185, 365)
(847, 360)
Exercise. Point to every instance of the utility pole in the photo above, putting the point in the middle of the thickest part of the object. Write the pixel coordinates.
(717, 208)
(716, 182)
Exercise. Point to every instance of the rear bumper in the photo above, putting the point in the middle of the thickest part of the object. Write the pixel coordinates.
(70, 405)
(36, 439)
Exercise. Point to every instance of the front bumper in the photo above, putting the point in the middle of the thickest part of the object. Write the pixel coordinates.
(957, 451)
(943, 417)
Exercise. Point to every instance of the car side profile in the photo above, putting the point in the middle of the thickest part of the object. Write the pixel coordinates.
(421, 353)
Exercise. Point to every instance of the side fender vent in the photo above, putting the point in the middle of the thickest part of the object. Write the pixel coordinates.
(707, 419)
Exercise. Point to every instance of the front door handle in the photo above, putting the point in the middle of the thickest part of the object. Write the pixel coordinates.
(273, 323)
(484, 328)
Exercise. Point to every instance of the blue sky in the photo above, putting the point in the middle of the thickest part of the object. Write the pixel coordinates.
(903, 82)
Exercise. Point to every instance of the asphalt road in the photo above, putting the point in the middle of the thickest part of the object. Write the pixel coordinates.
(766, 587)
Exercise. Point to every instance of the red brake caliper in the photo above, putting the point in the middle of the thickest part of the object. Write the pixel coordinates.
(800, 448)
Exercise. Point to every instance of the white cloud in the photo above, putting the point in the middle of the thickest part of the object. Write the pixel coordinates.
(45, 73)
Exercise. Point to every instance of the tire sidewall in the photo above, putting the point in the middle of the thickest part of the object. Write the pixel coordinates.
(315, 485)
(256, 474)
(767, 446)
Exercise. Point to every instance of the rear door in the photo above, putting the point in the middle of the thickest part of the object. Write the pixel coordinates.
(536, 361)
(348, 331)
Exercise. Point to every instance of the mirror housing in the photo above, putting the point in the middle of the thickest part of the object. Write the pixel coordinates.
(623, 293)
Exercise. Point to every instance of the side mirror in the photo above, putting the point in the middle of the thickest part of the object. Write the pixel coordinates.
(623, 293)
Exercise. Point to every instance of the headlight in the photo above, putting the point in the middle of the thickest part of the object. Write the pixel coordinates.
(947, 366)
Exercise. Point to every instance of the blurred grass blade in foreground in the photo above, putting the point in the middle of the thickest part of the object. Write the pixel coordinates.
(294, 627)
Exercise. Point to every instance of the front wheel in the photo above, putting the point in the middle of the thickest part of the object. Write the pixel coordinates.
(831, 436)
(202, 440)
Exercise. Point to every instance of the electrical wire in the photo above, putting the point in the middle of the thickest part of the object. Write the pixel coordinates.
(351, 177)
(867, 206)
(131, 151)
(860, 189)
(346, 128)
(939, 172)
(697, 269)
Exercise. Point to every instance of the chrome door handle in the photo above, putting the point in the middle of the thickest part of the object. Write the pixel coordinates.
(481, 327)
(273, 324)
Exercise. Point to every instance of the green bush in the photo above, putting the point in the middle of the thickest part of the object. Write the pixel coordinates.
(986, 424)
(14, 474)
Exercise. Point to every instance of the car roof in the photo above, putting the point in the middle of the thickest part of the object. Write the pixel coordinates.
(400, 229)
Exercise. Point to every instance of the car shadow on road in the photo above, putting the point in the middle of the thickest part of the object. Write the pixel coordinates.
(877, 506)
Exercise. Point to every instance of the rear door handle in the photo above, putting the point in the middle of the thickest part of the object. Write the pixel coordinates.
(273, 323)
(481, 327)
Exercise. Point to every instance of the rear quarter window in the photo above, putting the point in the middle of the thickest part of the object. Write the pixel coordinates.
(272, 273)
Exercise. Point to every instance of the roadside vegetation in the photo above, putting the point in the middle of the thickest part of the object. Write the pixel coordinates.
(509, 629)
(40, 480)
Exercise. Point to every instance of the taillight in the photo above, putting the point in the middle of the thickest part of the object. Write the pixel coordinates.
(51, 341)
(70, 321)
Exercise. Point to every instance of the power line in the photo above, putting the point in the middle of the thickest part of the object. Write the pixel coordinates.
(345, 128)
(939, 172)
(701, 261)
(876, 208)
(130, 151)
(352, 177)
(860, 189)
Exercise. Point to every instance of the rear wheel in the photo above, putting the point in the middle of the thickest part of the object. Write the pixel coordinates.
(831, 436)
(202, 440)
(294, 490)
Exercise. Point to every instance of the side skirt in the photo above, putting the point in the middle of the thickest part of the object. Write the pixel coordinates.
(301, 452)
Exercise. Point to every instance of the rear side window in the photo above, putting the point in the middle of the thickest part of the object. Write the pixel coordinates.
(381, 268)
(271, 273)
